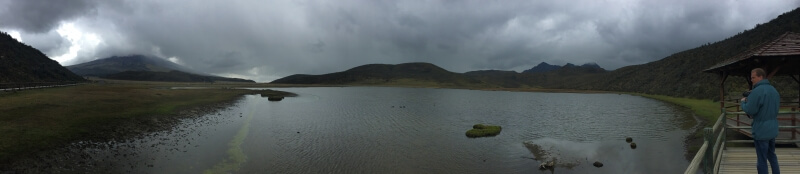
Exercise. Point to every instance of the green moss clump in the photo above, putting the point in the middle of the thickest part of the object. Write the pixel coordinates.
(480, 130)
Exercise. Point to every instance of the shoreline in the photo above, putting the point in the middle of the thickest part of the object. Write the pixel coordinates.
(138, 128)
(43, 120)
(702, 112)
(165, 118)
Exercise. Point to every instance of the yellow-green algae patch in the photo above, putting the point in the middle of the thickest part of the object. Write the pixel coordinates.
(236, 156)
(481, 130)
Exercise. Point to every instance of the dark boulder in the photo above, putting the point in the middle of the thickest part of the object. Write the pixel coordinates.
(274, 98)
(598, 164)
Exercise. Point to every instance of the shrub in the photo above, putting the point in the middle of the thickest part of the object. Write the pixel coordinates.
(480, 130)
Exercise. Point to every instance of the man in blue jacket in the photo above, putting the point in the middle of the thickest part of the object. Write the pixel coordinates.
(762, 104)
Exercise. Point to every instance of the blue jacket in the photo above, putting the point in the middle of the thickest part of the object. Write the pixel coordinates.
(762, 104)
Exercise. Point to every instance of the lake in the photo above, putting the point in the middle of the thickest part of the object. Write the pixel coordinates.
(408, 130)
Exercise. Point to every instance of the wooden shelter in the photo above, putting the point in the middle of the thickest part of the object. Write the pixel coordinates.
(779, 57)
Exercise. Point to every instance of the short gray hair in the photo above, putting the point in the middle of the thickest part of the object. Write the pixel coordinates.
(759, 72)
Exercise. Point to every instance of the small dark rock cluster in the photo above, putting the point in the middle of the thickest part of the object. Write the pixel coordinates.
(630, 140)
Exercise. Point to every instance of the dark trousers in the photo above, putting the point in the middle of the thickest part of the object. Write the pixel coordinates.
(765, 151)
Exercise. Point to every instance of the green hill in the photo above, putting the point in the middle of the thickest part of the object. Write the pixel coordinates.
(23, 63)
(681, 74)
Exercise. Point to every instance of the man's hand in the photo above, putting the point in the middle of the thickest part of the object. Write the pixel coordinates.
(744, 99)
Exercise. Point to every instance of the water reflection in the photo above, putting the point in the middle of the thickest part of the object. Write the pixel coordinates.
(616, 156)
(409, 130)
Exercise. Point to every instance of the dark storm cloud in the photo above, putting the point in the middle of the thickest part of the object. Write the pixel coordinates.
(264, 40)
(50, 43)
(40, 15)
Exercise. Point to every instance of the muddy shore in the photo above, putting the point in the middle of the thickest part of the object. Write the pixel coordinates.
(77, 156)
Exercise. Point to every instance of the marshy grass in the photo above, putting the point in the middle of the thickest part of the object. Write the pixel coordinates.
(706, 109)
(481, 130)
(41, 119)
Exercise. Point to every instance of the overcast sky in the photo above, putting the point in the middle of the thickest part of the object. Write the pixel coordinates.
(264, 40)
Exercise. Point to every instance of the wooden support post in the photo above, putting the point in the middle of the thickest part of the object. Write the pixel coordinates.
(749, 83)
(773, 71)
(708, 158)
(796, 79)
(737, 119)
(724, 76)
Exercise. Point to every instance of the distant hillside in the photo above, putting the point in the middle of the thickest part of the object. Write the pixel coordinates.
(171, 76)
(678, 75)
(537, 77)
(23, 63)
(143, 68)
(572, 69)
(542, 68)
(681, 74)
(426, 74)
(117, 64)
(505, 79)
(416, 74)
(569, 68)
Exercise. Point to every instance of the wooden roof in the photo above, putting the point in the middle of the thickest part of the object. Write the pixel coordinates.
(782, 53)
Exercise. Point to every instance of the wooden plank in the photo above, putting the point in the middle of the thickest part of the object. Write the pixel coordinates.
(743, 160)
(779, 113)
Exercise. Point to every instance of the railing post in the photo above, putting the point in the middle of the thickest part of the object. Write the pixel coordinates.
(794, 118)
(738, 115)
(708, 158)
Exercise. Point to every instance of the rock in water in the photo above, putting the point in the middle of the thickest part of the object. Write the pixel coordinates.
(633, 145)
(629, 139)
(598, 164)
(274, 98)
(547, 165)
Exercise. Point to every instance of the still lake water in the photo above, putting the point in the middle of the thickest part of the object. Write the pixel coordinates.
(414, 130)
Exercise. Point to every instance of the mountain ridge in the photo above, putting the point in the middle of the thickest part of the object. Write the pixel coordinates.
(144, 68)
(679, 74)
(22, 63)
(386, 74)
(117, 64)
(544, 67)
(170, 76)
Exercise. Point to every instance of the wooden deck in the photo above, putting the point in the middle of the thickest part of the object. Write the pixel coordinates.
(743, 160)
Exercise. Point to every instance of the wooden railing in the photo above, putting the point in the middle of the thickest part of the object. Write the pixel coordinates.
(35, 85)
(703, 154)
(734, 109)
(715, 137)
